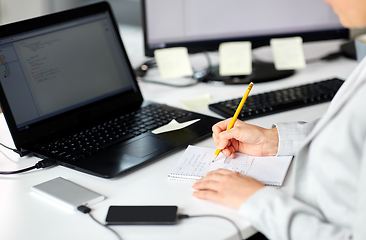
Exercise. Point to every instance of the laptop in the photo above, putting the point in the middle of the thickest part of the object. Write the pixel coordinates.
(68, 92)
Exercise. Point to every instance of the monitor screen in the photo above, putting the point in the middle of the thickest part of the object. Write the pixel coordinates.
(201, 25)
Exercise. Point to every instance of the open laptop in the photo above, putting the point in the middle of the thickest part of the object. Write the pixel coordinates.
(68, 92)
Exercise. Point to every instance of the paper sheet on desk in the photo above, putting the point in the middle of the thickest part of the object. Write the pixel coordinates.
(197, 161)
(174, 125)
(197, 103)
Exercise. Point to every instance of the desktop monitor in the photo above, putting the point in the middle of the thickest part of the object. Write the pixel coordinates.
(202, 25)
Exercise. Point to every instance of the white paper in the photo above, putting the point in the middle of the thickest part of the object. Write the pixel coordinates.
(197, 161)
(235, 58)
(173, 62)
(288, 53)
(173, 125)
(197, 103)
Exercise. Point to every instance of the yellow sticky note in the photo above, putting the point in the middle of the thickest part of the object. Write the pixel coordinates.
(197, 103)
(288, 53)
(173, 62)
(235, 58)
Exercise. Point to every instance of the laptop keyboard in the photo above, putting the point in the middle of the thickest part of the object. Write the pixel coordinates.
(280, 100)
(102, 136)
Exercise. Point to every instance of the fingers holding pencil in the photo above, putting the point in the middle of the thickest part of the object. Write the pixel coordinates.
(233, 120)
(228, 141)
(217, 129)
(245, 138)
(221, 142)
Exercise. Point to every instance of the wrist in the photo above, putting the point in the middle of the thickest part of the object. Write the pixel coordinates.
(271, 144)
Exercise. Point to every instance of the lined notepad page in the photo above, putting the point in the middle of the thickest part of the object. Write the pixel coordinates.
(197, 161)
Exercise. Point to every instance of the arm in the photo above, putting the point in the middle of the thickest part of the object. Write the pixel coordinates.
(282, 139)
(274, 213)
(279, 216)
(291, 135)
(283, 217)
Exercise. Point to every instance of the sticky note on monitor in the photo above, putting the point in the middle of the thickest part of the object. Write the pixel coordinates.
(235, 58)
(288, 53)
(173, 62)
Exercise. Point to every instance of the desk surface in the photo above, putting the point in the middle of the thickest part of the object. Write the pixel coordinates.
(25, 215)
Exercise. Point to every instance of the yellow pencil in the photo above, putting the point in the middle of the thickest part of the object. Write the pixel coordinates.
(236, 115)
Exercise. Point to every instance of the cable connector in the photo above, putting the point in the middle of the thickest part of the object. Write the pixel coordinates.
(183, 216)
(21, 153)
(47, 162)
(84, 209)
(41, 164)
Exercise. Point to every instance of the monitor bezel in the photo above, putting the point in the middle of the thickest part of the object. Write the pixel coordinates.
(257, 41)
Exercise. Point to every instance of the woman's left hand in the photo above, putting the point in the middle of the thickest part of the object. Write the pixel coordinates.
(226, 187)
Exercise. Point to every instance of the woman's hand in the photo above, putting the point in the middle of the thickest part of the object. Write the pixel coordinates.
(245, 138)
(226, 187)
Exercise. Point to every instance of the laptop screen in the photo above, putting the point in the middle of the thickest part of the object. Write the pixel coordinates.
(52, 70)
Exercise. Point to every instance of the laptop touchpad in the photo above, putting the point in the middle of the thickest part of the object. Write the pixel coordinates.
(144, 146)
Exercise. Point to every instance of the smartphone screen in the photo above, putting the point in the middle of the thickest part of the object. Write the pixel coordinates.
(141, 215)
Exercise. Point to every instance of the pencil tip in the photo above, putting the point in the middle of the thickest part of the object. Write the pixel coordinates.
(214, 158)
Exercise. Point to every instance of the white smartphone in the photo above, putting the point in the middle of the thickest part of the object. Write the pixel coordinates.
(67, 193)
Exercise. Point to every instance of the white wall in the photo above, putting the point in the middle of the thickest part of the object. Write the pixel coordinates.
(15, 10)
(126, 11)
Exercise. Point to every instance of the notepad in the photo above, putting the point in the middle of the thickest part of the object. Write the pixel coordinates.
(197, 161)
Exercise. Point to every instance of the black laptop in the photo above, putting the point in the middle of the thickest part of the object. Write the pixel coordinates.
(68, 92)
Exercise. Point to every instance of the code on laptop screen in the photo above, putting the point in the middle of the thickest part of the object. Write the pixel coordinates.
(51, 70)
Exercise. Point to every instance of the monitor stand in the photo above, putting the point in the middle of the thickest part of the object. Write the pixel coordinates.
(262, 72)
(348, 50)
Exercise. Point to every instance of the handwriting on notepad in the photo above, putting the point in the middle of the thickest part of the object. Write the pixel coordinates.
(193, 164)
(197, 161)
(238, 165)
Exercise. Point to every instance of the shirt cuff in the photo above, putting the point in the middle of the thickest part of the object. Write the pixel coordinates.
(291, 135)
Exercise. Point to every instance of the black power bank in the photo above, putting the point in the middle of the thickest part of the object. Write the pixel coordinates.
(142, 215)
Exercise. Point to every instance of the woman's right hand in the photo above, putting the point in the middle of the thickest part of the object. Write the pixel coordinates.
(245, 138)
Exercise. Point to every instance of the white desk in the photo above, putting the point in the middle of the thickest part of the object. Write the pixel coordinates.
(25, 215)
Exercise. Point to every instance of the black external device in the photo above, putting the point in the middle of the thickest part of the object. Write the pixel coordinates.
(142, 215)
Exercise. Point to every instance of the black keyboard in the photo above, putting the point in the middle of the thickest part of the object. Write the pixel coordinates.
(280, 100)
(104, 135)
